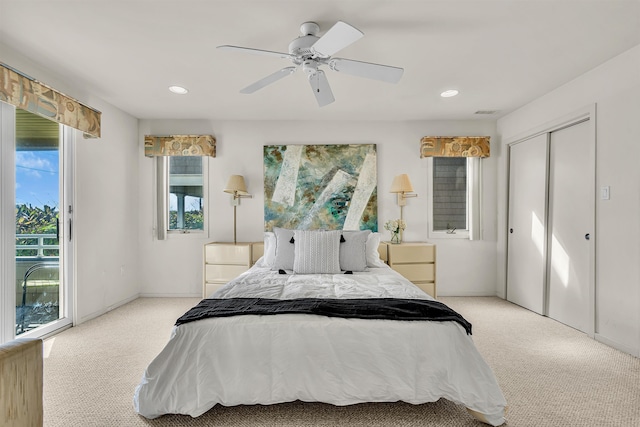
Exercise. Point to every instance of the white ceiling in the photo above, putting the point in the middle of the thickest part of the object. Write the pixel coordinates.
(498, 54)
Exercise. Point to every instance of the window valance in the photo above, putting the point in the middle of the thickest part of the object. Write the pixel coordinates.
(179, 145)
(31, 95)
(454, 146)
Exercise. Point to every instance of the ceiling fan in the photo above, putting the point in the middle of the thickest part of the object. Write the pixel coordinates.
(309, 52)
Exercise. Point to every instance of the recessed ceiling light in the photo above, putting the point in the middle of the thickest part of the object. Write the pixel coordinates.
(449, 93)
(178, 89)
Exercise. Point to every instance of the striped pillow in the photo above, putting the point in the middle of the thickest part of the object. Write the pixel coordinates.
(317, 252)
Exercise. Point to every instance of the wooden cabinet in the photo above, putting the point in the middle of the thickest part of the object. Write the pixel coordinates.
(417, 262)
(225, 261)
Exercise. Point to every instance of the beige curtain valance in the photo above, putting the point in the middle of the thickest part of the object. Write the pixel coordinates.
(179, 145)
(454, 146)
(29, 94)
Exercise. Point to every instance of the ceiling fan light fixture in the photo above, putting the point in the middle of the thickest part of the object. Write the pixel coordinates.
(179, 90)
(449, 93)
(310, 67)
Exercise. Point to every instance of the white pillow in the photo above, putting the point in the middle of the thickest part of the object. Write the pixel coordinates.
(284, 249)
(269, 255)
(317, 252)
(373, 257)
(353, 255)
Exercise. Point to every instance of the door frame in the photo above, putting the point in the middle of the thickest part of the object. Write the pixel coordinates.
(7, 222)
(586, 114)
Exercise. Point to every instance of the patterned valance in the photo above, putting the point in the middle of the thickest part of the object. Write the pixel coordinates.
(179, 145)
(29, 94)
(454, 146)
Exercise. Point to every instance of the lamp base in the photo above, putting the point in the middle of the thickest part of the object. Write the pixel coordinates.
(234, 224)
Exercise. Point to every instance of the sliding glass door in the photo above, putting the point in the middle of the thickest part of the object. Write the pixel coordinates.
(43, 208)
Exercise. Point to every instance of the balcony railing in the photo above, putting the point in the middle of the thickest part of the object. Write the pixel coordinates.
(37, 246)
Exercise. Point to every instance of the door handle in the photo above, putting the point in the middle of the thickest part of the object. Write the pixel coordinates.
(511, 230)
(587, 236)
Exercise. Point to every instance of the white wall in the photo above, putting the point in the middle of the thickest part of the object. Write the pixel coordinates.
(106, 199)
(615, 89)
(106, 226)
(174, 266)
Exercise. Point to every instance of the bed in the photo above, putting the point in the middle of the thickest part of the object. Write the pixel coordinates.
(268, 359)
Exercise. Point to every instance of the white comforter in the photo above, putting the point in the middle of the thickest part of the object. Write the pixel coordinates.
(273, 359)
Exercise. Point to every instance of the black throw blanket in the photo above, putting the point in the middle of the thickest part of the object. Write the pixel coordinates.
(361, 308)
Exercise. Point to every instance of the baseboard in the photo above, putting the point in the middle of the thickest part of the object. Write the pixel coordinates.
(468, 294)
(105, 310)
(88, 317)
(163, 295)
(123, 302)
(617, 345)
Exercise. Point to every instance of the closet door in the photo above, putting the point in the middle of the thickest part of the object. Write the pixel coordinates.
(527, 217)
(570, 225)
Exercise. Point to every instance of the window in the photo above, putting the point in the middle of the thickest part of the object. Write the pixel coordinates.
(181, 194)
(185, 193)
(454, 203)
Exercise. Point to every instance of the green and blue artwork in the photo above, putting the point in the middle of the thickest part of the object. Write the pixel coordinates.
(329, 187)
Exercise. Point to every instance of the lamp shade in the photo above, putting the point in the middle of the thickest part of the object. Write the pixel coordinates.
(401, 184)
(236, 185)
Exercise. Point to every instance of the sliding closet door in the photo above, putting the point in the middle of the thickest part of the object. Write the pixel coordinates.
(527, 218)
(570, 225)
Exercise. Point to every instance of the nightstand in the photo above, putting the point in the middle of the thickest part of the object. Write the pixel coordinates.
(417, 262)
(224, 261)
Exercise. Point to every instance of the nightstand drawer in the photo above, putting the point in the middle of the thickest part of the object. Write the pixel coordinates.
(211, 288)
(416, 261)
(408, 253)
(228, 254)
(224, 261)
(223, 273)
(416, 272)
(257, 251)
(429, 288)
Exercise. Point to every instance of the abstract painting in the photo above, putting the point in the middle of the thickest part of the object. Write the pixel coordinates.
(328, 187)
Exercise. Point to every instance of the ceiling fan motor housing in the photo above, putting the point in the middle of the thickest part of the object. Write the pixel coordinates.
(301, 47)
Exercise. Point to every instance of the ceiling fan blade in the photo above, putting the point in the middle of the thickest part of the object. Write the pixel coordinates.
(321, 89)
(337, 38)
(256, 51)
(271, 78)
(385, 73)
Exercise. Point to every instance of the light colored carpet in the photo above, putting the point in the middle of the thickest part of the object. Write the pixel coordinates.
(551, 375)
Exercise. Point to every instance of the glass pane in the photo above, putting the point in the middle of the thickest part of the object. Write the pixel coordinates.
(38, 290)
(186, 193)
(449, 193)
